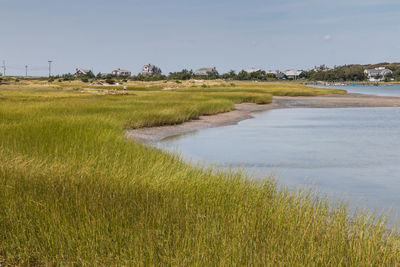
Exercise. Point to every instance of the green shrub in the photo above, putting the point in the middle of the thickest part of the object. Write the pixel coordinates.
(110, 81)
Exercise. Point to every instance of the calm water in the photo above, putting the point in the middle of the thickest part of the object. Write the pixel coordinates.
(381, 90)
(351, 154)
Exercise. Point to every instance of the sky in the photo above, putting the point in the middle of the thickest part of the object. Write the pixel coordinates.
(184, 34)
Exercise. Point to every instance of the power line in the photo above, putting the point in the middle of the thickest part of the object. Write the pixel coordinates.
(11, 69)
(22, 68)
(38, 68)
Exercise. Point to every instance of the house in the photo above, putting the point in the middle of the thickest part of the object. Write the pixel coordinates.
(294, 74)
(278, 75)
(206, 71)
(150, 69)
(377, 74)
(322, 67)
(120, 72)
(82, 72)
(252, 70)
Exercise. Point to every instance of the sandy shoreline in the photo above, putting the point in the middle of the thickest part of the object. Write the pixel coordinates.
(243, 111)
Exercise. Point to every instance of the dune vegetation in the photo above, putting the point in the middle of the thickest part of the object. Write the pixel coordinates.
(73, 191)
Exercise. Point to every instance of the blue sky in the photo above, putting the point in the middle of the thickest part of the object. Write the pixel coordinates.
(178, 34)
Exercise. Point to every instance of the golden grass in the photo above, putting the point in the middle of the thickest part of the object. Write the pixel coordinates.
(74, 192)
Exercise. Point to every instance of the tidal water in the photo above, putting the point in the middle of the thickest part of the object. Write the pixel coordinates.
(381, 90)
(350, 154)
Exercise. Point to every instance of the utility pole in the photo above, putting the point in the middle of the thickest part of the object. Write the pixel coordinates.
(50, 68)
(4, 68)
(26, 70)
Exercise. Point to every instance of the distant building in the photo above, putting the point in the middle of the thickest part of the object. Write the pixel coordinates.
(206, 71)
(252, 70)
(377, 74)
(294, 74)
(278, 74)
(82, 72)
(150, 69)
(120, 72)
(321, 68)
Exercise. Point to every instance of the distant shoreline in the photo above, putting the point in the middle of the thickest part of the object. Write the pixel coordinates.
(243, 111)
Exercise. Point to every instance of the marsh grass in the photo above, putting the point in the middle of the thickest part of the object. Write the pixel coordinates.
(276, 89)
(129, 87)
(74, 192)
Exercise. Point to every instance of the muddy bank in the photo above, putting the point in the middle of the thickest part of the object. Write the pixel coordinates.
(243, 111)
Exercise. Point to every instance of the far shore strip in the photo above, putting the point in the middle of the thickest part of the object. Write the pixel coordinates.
(243, 112)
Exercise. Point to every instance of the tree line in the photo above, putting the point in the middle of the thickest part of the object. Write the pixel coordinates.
(343, 73)
(353, 73)
(180, 75)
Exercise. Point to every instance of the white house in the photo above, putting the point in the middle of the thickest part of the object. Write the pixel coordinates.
(120, 72)
(277, 73)
(377, 74)
(81, 72)
(294, 74)
(150, 69)
(206, 71)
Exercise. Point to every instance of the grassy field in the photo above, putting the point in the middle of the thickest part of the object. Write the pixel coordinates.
(74, 192)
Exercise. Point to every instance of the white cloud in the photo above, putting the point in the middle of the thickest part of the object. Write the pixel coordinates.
(327, 37)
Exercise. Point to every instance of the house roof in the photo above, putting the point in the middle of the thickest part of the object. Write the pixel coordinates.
(121, 70)
(207, 69)
(83, 70)
(377, 71)
(272, 71)
(252, 70)
(371, 71)
(150, 66)
(293, 72)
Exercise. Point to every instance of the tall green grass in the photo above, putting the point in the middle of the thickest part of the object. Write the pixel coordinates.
(74, 192)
